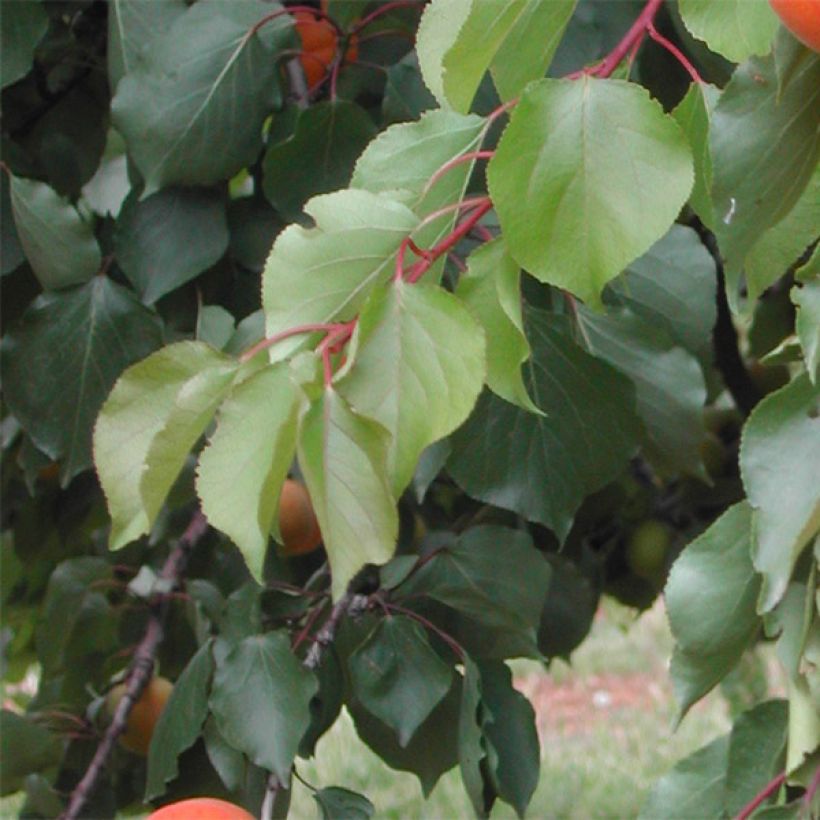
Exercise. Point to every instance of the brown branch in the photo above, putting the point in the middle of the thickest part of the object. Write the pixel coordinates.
(327, 633)
(142, 664)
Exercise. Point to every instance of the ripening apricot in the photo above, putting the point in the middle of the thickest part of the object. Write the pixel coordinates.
(297, 520)
(201, 808)
(319, 41)
(801, 18)
(144, 716)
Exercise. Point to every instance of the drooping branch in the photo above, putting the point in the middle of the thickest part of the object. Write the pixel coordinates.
(142, 664)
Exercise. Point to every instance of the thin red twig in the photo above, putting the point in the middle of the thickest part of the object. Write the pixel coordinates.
(635, 34)
(470, 155)
(674, 51)
(297, 330)
(382, 10)
(768, 790)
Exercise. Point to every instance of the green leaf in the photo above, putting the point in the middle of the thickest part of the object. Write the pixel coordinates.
(779, 453)
(24, 24)
(58, 244)
(180, 722)
(694, 114)
(791, 622)
(61, 360)
(166, 400)
(674, 285)
(756, 752)
(492, 574)
(471, 751)
(668, 381)
(166, 240)
(253, 225)
(325, 273)
(260, 700)
(26, 747)
(544, 466)
(405, 95)
(247, 459)
(587, 175)
(432, 750)
(132, 24)
(509, 727)
(417, 368)
(714, 577)
(11, 252)
(336, 803)
(784, 244)
(737, 29)
(807, 324)
(208, 80)
(343, 457)
(694, 788)
(764, 147)
(458, 45)
(318, 157)
(397, 676)
(491, 290)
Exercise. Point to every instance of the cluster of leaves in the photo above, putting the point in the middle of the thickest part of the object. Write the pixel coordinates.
(487, 376)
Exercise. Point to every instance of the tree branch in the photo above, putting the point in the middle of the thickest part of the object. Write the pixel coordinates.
(142, 665)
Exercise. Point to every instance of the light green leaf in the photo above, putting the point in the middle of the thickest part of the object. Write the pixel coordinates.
(782, 245)
(737, 29)
(209, 79)
(764, 146)
(260, 699)
(669, 384)
(544, 466)
(325, 273)
(397, 676)
(242, 469)
(23, 26)
(694, 113)
(438, 30)
(132, 24)
(172, 392)
(59, 245)
(588, 174)
(779, 454)
(807, 324)
(343, 457)
(418, 367)
(491, 290)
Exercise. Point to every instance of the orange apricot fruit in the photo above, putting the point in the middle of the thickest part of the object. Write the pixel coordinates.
(201, 808)
(319, 42)
(144, 716)
(297, 520)
(801, 18)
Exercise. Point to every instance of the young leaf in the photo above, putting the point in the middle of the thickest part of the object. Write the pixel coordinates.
(24, 24)
(64, 356)
(343, 457)
(166, 240)
(438, 30)
(398, 677)
(544, 466)
(59, 245)
(491, 290)
(418, 367)
(260, 699)
(173, 392)
(588, 174)
(318, 157)
(325, 273)
(180, 722)
(247, 459)
(336, 803)
(779, 454)
(807, 324)
(735, 28)
(668, 381)
(209, 79)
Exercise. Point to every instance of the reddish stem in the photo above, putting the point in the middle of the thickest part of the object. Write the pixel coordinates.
(382, 10)
(764, 795)
(308, 627)
(264, 344)
(456, 647)
(811, 791)
(468, 157)
(634, 35)
(290, 10)
(674, 51)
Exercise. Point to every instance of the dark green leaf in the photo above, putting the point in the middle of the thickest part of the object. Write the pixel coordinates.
(807, 325)
(23, 26)
(58, 244)
(260, 699)
(471, 752)
(319, 157)
(25, 747)
(192, 107)
(544, 466)
(253, 225)
(336, 803)
(405, 95)
(64, 356)
(180, 722)
(326, 703)
(166, 240)
(398, 677)
(11, 252)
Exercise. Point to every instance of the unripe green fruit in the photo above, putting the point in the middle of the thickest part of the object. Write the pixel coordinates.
(646, 549)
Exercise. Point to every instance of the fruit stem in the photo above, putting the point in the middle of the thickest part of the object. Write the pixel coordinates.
(675, 52)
